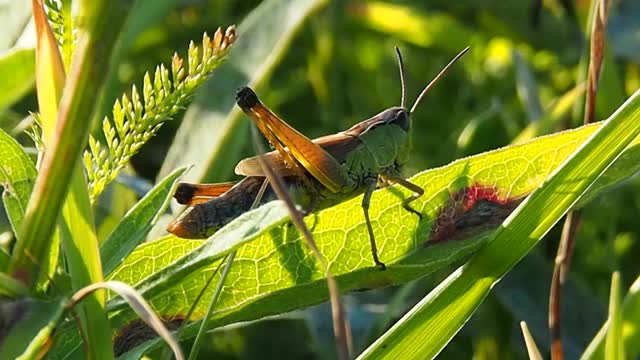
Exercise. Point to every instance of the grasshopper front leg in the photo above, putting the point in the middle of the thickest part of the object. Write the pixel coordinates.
(417, 192)
(370, 186)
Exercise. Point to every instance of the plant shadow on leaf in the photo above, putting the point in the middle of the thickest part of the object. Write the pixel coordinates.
(293, 257)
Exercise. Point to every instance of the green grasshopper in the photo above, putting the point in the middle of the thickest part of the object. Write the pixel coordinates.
(318, 173)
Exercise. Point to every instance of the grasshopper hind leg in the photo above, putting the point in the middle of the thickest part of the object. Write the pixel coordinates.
(371, 184)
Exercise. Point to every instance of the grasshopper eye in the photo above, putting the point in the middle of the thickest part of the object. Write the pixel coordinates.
(397, 116)
(402, 119)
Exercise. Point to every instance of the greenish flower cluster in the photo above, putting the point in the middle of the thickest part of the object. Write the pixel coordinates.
(136, 119)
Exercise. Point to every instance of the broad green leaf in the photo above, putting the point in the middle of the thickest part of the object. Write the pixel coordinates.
(275, 272)
(630, 327)
(17, 68)
(212, 133)
(31, 324)
(17, 174)
(241, 231)
(135, 225)
(197, 255)
(614, 346)
(431, 324)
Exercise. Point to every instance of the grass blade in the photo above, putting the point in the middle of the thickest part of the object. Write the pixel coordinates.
(614, 345)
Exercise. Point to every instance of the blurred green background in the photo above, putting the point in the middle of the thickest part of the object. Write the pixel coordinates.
(519, 80)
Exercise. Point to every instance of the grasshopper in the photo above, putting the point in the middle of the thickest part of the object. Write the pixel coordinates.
(318, 173)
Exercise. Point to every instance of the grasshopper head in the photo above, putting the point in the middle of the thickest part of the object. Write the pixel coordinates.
(398, 116)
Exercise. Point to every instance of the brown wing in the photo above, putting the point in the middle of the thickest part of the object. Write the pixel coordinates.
(192, 194)
(337, 145)
(293, 146)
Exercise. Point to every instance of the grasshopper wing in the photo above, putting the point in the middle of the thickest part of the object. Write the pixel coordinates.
(292, 145)
(192, 194)
(339, 146)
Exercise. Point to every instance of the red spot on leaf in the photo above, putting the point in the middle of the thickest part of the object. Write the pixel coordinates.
(472, 210)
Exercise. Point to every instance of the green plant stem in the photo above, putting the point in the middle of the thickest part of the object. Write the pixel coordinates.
(195, 348)
(97, 33)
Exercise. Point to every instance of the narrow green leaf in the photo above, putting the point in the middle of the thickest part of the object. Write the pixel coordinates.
(50, 73)
(17, 174)
(4, 260)
(65, 192)
(212, 132)
(11, 288)
(552, 118)
(614, 345)
(31, 324)
(431, 324)
(17, 69)
(99, 30)
(630, 326)
(135, 225)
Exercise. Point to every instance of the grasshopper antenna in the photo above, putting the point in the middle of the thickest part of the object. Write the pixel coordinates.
(403, 100)
(435, 79)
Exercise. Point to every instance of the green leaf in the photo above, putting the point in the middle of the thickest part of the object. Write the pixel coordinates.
(213, 119)
(614, 346)
(431, 324)
(630, 324)
(17, 69)
(17, 174)
(240, 231)
(135, 225)
(551, 120)
(275, 273)
(11, 288)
